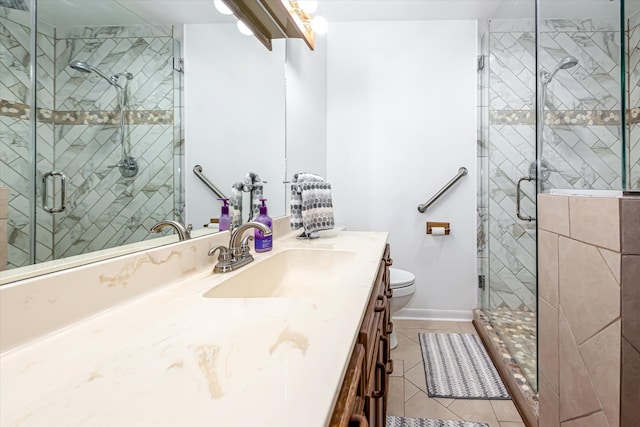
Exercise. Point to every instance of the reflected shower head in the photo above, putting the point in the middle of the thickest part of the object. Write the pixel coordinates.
(80, 65)
(564, 64)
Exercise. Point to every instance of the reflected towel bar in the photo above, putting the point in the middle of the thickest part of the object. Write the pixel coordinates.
(197, 169)
(461, 172)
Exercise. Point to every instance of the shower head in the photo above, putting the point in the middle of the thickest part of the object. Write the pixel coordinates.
(567, 62)
(564, 64)
(80, 65)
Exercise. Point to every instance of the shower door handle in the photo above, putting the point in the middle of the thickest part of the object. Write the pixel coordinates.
(63, 192)
(518, 194)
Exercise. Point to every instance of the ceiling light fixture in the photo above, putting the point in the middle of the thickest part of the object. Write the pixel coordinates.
(242, 27)
(309, 6)
(319, 25)
(222, 8)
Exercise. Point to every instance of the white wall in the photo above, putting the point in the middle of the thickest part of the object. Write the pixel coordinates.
(234, 116)
(306, 75)
(401, 102)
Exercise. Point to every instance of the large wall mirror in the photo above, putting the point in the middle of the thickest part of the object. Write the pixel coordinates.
(85, 182)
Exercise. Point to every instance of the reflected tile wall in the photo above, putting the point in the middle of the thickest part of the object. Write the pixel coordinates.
(104, 209)
(14, 55)
(14, 145)
(633, 78)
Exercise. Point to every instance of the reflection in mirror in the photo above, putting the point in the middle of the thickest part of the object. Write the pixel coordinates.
(87, 133)
(237, 131)
(77, 134)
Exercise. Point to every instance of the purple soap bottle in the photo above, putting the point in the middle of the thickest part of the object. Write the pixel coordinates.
(263, 243)
(225, 219)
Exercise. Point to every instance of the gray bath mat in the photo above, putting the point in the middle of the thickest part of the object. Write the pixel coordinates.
(458, 366)
(427, 422)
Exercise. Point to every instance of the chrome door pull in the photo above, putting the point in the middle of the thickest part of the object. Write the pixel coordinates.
(63, 192)
(518, 193)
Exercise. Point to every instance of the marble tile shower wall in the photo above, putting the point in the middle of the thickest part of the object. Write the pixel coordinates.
(80, 117)
(582, 135)
(510, 147)
(483, 161)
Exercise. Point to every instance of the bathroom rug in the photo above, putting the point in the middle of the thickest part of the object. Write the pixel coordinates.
(457, 366)
(427, 422)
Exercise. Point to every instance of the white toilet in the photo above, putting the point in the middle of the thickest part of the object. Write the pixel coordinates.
(403, 284)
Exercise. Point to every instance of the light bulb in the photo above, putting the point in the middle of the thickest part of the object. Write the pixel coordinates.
(308, 6)
(242, 27)
(319, 25)
(222, 8)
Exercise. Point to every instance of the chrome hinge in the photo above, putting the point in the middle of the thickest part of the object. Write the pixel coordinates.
(178, 64)
(481, 282)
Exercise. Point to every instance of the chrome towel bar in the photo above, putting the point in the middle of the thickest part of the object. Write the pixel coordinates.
(197, 169)
(461, 172)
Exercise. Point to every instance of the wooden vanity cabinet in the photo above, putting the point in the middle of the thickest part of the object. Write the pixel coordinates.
(370, 359)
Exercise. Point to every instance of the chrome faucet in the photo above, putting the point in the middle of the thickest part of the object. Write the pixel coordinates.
(183, 233)
(237, 254)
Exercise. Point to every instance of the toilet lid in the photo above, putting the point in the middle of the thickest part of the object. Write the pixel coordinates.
(401, 278)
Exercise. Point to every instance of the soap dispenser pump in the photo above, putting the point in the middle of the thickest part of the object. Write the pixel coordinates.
(225, 219)
(263, 243)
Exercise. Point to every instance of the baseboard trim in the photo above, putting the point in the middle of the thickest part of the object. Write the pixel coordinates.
(429, 314)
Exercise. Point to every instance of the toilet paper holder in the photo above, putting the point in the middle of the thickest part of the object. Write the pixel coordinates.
(431, 225)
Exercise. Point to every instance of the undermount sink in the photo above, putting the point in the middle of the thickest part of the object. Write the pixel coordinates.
(290, 273)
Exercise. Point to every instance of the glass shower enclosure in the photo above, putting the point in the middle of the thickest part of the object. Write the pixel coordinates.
(558, 91)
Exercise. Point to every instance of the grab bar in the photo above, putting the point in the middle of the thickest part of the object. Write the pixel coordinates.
(461, 172)
(197, 169)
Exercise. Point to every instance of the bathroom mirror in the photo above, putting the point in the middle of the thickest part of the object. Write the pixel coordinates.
(137, 46)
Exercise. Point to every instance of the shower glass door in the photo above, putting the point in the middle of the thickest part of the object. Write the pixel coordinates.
(508, 193)
(572, 138)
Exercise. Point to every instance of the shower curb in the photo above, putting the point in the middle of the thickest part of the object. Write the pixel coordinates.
(525, 399)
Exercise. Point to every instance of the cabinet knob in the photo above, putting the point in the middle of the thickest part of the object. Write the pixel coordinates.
(358, 420)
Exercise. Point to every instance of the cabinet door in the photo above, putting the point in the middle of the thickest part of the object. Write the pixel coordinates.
(350, 403)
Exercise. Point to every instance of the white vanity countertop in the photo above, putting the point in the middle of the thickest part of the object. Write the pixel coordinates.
(175, 358)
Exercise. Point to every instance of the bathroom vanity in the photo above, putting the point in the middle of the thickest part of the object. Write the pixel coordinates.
(363, 397)
(156, 339)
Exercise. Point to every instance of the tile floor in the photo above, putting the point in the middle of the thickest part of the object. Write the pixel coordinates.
(408, 391)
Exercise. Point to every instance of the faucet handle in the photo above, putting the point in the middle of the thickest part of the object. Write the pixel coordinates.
(244, 245)
(224, 255)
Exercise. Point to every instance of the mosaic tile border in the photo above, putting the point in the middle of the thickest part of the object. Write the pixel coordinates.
(44, 115)
(563, 117)
(507, 365)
